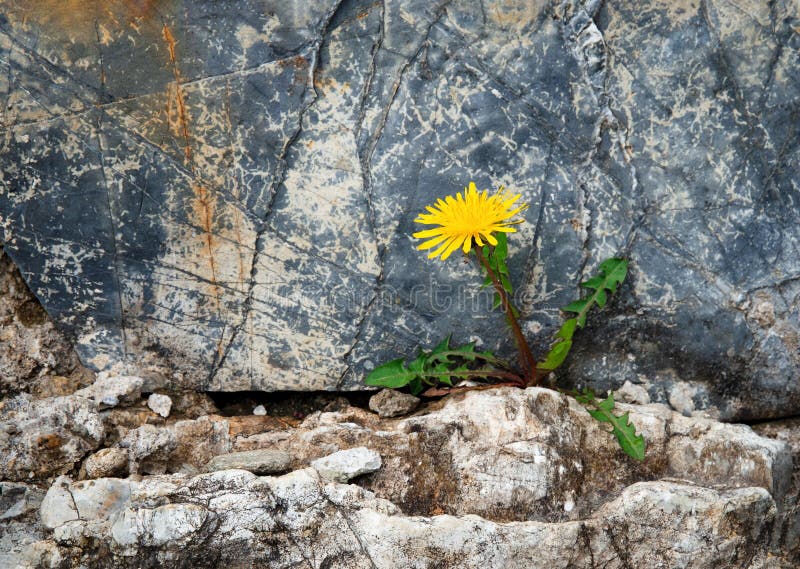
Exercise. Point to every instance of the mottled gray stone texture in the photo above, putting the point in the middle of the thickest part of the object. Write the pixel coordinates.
(225, 190)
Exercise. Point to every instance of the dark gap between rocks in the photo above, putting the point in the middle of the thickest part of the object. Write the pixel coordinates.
(297, 404)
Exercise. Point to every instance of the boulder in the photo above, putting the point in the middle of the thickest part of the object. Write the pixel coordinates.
(106, 463)
(232, 203)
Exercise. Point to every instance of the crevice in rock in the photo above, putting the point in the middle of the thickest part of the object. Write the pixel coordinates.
(585, 41)
(296, 404)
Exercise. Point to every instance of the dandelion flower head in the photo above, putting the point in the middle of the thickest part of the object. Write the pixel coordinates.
(471, 216)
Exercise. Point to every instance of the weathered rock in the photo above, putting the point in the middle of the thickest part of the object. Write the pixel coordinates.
(208, 199)
(35, 357)
(630, 393)
(234, 518)
(106, 463)
(192, 405)
(788, 528)
(160, 404)
(512, 454)
(40, 438)
(262, 461)
(18, 499)
(110, 390)
(98, 500)
(344, 465)
(393, 403)
(156, 450)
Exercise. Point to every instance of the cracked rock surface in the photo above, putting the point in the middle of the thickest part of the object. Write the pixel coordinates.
(188, 186)
(484, 479)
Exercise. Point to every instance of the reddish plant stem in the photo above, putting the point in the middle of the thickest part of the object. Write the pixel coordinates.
(528, 361)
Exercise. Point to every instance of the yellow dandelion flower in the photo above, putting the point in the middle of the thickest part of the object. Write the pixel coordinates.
(471, 216)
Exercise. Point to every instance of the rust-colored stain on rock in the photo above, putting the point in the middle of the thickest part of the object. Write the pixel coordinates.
(205, 204)
(78, 19)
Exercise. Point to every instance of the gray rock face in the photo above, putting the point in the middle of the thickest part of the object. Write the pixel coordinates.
(237, 198)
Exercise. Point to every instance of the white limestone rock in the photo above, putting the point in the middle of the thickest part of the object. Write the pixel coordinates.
(110, 390)
(345, 465)
(160, 404)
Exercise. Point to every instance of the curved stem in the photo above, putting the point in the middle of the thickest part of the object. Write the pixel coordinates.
(528, 361)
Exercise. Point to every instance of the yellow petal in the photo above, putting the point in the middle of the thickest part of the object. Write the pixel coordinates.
(452, 247)
(439, 251)
(432, 242)
(428, 233)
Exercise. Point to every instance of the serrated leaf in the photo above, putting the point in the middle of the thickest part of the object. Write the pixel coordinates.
(556, 355)
(615, 270)
(576, 306)
(467, 351)
(442, 346)
(439, 367)
(600, 298)
(593, 283)
(607, 404)
(418, 364)
(632, 444)
(392, 374)
(567, 329)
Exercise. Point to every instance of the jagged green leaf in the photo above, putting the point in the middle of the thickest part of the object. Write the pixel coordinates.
(558, 352)
(593, 283)
(392, 374)
(556, 355)
(440, 366)
(576, 306)
(625, 432)
(611, 274)
(567, 329)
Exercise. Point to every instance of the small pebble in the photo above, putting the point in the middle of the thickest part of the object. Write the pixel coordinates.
(160, 404)
(259, 410)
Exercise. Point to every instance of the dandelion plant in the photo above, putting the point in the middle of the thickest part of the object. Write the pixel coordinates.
(477, 223)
